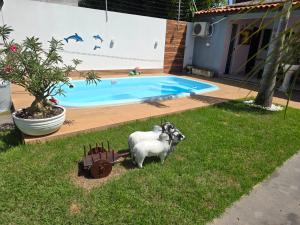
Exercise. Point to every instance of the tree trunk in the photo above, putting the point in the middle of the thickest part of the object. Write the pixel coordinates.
(268, 83)
(38, 106)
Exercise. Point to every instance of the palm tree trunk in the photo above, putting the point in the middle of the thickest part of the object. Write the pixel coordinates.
(267, 86)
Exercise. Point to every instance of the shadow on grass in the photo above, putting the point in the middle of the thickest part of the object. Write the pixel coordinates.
(239, 106)
(9, 139)
(207, 99)
(128, 164)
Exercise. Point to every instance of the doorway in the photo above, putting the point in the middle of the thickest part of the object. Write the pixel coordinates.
(254, 46)
(259, 44)
(231, 48)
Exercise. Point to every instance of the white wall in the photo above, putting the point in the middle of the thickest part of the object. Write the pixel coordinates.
(64, 2)
(211, 52)
(134, 36)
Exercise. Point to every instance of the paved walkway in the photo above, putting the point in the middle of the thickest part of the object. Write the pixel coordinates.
(276, 201)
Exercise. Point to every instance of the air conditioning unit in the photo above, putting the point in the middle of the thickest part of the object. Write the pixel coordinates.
(201, 29)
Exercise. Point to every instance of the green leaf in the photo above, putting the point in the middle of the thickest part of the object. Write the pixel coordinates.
(5, 32)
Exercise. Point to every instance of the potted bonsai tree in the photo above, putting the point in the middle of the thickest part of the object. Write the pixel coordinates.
(41, 73)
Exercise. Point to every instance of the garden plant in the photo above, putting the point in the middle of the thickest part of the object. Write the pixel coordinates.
(40, 72)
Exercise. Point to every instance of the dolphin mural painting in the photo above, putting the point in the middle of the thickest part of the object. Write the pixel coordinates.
(96, 47)
(97, 37)
(75, 37)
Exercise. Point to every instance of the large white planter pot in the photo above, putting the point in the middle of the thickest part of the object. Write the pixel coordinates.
(40, 127)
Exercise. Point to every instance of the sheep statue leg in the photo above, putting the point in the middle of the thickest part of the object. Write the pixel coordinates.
(132, 158)
(131, 152)
(139, 158)
(140, 162)
(163, 156)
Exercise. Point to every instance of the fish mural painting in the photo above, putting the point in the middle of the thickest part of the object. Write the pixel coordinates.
(97, 47)
(98, 37)
(75, 37)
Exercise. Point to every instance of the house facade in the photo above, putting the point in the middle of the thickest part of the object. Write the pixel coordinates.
(224, 50)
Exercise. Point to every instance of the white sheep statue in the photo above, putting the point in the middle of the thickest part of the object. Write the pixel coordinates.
(148, 148)
(175, 136)
(139, 136)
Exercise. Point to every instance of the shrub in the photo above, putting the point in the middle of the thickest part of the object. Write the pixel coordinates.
(40, 72)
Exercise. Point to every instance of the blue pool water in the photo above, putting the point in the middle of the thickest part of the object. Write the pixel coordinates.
(114, 91)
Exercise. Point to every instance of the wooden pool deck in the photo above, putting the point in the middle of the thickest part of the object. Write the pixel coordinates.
(96, 118)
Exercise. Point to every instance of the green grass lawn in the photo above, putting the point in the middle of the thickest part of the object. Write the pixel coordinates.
(229, 148)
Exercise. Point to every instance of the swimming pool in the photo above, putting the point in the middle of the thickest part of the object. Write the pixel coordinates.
(115, 91)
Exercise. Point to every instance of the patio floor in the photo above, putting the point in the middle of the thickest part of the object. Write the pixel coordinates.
(97, 118)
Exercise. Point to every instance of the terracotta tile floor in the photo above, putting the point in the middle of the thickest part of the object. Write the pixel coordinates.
(97, 118)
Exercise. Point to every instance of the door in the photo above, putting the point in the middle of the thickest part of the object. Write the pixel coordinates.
(254, 46)
(262, 52)
(231, 48)
(240, 50)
